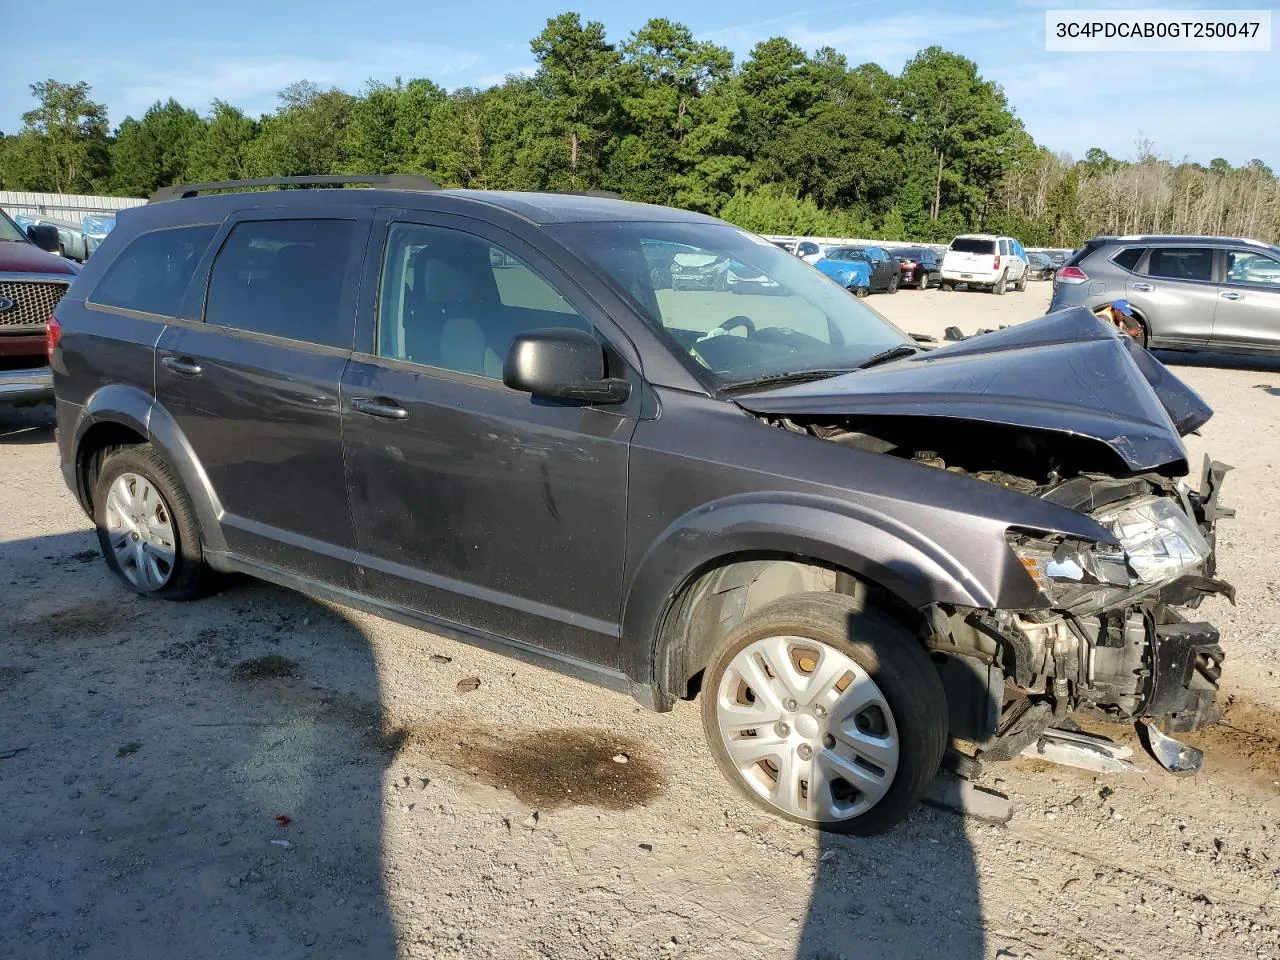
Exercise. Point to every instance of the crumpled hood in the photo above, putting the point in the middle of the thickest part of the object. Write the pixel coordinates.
(1066, 372)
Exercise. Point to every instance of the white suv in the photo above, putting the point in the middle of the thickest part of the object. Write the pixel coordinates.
(985, 260)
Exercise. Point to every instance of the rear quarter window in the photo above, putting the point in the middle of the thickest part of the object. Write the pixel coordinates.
(973, 245)
(152, 272)
(1129, 257)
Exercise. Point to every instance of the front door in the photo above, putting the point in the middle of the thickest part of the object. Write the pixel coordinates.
(255, 388)
(1248, 314)
(474, 503)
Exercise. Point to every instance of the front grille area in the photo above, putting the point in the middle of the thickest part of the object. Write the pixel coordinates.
(33, 301)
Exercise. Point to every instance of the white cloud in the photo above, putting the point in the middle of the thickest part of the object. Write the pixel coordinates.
(196, 73)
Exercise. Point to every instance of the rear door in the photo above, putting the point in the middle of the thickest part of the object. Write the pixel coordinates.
(254, 384)
(1248, 313)
(1174, 289)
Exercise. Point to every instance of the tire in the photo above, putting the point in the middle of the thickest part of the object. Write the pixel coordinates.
(861, 292)
(924, 281)
(898, 713)
(1022, 282)
(1000, 285)
(947, 287)
(169, 516)
(894, 281)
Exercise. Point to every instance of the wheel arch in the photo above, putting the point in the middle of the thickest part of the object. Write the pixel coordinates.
(119, 415)
(714, 566)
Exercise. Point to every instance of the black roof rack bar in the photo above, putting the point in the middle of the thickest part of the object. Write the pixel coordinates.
(607, 194)
(393, 181)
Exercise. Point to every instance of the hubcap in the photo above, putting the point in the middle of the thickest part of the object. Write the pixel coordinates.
(140, 531)
(807, 728)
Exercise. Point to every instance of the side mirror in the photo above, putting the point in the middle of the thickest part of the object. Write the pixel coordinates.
(45, 236)
(563, 363)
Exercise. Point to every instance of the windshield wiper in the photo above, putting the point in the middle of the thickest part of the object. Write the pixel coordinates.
(794, 376)
(893, 353)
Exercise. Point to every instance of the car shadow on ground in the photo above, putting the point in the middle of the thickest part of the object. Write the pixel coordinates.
(198, 781)
(1226, 361)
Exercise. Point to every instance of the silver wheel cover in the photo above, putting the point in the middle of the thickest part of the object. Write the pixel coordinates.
(807, 729)
(140, 531)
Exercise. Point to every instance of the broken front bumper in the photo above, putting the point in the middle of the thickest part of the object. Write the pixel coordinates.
(1159, 665)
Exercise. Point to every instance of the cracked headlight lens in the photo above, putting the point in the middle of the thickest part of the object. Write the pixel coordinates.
(1160, 541)
(1066, 572)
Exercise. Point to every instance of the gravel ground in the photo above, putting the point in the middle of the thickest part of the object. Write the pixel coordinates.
(261, 775)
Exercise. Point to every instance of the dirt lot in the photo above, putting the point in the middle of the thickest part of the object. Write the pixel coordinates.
(149, 754)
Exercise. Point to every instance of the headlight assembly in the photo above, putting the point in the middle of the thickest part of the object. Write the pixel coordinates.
(1160, 541)
(1158, 544)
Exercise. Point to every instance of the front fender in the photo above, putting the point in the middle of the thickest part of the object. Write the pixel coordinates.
(136, 409)
(878, 548)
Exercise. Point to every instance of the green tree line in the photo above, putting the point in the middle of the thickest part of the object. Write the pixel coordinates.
(786, 141)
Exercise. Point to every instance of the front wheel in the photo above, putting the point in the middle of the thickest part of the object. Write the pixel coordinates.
(924, 281)
(826, 712)
(893, 283)
(999, 287)
(147, 526)
(1022, 282)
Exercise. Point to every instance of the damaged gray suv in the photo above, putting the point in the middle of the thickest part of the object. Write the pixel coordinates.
(478, 412)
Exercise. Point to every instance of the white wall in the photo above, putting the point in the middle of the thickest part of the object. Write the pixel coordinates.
(63, 206)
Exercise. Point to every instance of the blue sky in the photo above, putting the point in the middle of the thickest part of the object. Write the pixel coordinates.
(1195, 106)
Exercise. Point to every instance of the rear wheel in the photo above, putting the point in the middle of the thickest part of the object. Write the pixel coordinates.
(826, 712)
(999, 287)
(147, 526)
(924, 281)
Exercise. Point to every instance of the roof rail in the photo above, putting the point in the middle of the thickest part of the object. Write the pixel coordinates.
(606, 194)
(393, 181)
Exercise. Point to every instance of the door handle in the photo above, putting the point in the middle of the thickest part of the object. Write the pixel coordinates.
(184, 365)
(380, 407)
(1143, 287)
(1231, 295)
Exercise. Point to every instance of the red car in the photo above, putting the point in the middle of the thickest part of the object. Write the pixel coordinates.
(32, 281)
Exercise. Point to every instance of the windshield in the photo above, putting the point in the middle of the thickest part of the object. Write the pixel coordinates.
(847, 253)
(746, 312)
(10, 230)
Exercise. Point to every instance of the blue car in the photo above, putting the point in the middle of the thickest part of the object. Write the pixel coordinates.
(850, 271)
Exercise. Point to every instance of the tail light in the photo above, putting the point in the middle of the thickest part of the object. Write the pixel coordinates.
(52, 337)
(996, 265)
(909, 264)
(1072, 275)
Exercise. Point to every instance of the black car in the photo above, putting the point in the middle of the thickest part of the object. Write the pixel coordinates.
(473, 411)
(1040, 266)
(920, 267)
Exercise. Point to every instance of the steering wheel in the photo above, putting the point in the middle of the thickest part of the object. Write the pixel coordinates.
(746, 323)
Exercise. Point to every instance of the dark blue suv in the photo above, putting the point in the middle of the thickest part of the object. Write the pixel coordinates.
(480, 412)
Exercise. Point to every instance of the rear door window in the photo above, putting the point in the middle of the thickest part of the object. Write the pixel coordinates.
(1128, 258)
(151, 274)
(973, 245)
(285, 278)
(1181, 263)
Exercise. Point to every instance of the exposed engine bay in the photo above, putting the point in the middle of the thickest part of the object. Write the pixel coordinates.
(1115, 633)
